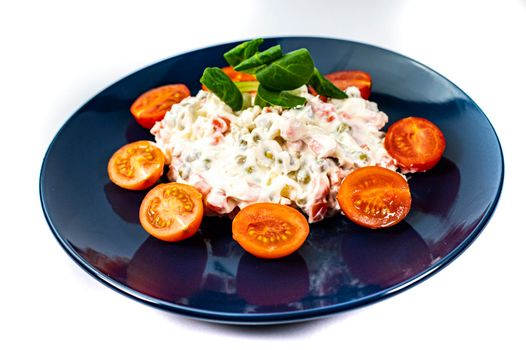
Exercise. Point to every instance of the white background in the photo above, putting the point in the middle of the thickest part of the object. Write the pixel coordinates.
(55, 55)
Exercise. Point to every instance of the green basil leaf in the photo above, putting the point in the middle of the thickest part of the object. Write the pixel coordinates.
(260, 58)
(242, 51)
(220, 84)
(285, 99)
(288, 72)
(324, 87)
(258, 101)
(254, 70)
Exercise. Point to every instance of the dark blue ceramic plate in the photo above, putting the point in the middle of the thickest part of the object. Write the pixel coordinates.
(341, 266)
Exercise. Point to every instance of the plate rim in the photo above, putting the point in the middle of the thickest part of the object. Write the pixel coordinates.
(266, 318)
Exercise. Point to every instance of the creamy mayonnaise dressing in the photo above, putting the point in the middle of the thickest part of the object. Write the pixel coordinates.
(296, 156)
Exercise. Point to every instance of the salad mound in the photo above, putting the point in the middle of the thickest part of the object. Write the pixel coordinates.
(295, 156)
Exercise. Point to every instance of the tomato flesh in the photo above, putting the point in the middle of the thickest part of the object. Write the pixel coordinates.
(152, 105)
(374, 197)
(269, 230)
(136, 166)
(172, 212)
(416, 143)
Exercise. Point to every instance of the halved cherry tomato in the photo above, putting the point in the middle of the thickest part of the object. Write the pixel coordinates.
(345, 78)
(416, 143)
(374, 197)
(152, 105)
(270, 230)
(172, 212)
(136, 166)
(236, 76)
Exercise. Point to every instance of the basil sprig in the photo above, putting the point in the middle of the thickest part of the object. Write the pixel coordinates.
(220, 84)
(276, 74)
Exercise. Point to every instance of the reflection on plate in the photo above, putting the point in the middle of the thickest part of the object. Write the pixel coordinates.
(341, 265)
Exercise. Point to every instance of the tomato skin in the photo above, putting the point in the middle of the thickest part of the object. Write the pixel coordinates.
(172, 211)
(415, 143)
(374, 197)
(270, 230)
(136, 166)
(235, 76)
(152, 105)
(345, 78)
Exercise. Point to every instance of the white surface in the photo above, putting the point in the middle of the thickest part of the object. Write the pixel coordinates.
(56, 55)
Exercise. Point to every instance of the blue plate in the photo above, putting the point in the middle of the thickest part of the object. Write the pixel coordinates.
(341, 266)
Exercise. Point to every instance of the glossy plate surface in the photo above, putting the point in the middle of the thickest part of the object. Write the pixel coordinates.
(341, 266)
